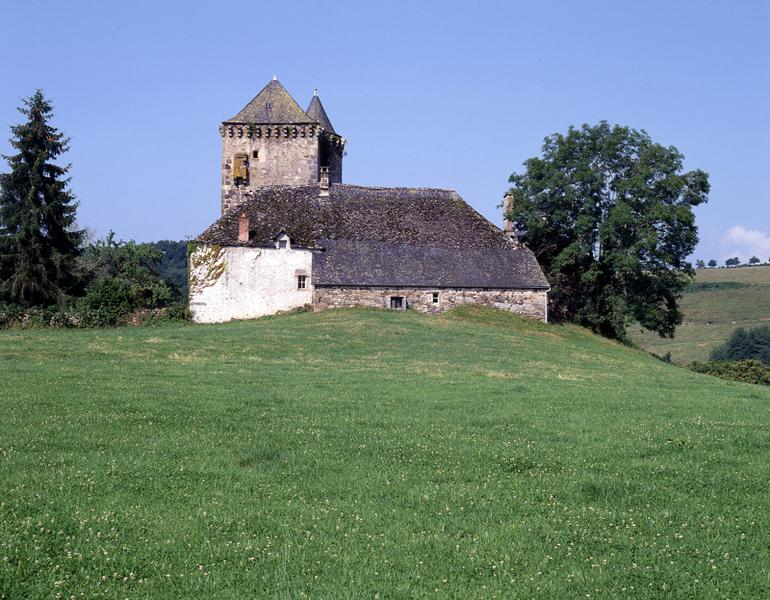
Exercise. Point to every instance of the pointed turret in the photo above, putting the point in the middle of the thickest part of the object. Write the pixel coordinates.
(316, 112)
(273, 105)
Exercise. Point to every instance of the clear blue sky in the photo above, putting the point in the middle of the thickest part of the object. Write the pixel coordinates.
(433, 94)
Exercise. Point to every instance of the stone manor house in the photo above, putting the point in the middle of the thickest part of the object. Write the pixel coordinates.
(291, 234)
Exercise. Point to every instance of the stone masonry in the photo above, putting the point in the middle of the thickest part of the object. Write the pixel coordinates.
(529, 303)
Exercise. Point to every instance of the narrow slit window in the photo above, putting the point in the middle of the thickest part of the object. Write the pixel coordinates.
(301, 282)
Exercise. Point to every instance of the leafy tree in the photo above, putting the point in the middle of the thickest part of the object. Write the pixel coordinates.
(733, 262)
(128, 269)
(608, 213)
(699, 264)
(173, 266)
(754, 260)
(712, 263)
(745, 344)
(38, 241)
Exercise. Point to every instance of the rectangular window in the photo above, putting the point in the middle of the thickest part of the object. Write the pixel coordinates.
(397, 302)
(301, 282)
(435, 297)
(282, 244)
(240, 168)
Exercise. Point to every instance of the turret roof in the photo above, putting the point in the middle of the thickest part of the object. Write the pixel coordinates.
(315, 111)
(273, 105)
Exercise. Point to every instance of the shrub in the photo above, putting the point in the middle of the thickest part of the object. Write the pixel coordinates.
(746, 371)
(713, 286)
(745, 344)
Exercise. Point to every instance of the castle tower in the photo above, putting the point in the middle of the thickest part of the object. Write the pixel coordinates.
(272, 141)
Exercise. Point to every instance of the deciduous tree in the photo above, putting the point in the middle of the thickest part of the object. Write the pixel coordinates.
(608, 213)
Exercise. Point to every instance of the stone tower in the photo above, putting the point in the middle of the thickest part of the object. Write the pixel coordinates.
(272, 141)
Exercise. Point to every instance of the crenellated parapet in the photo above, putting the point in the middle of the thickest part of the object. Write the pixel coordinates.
(257, 131)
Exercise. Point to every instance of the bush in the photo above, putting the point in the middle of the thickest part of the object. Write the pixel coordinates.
(746, 371)
(745, 344)
(713, 286)
(110, 298)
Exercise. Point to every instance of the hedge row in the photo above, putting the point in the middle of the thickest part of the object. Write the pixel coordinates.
(746, 371)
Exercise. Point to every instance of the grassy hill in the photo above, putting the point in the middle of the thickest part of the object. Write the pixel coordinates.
(365, 454)
(720, 301)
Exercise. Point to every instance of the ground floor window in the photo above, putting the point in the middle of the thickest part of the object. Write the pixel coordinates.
(301, 282)
(397, 302)
(435, 297)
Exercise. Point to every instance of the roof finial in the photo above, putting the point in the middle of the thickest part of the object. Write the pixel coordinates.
(315, 91)
(275, 77)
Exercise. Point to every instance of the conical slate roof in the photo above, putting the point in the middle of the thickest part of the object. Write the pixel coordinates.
(315, 111)
(273, 105)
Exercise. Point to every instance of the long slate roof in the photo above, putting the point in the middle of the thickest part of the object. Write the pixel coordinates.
(273, 105)
(354, 263)
(412, 226)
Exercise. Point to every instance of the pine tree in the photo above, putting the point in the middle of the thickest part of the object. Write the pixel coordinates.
(38, 241)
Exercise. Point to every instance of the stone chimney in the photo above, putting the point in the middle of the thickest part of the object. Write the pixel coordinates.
(243, 227)
(324, 181)
(507, 206)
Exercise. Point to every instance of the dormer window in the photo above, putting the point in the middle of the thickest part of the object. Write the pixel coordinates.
(282, 241)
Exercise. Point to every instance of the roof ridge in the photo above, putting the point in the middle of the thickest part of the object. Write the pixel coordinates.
(381, 188)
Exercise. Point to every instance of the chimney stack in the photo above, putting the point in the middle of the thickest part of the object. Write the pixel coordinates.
(243, 228)
(507, 206)
(324, 181)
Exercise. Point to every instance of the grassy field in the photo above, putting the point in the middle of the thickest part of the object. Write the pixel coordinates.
(374, 454)
(712, 314)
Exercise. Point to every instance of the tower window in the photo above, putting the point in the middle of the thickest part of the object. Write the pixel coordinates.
(301, 282)
(255, 154)
(240, 168)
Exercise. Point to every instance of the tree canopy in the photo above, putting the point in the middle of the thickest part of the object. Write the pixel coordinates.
(745, 344)
(38, 241)
(608, 213)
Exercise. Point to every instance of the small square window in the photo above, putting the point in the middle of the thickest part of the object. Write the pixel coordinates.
(301, 282)
(282, 244)
(435, 297)
(397, 302)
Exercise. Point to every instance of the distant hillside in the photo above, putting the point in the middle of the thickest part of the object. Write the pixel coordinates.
(718, 301)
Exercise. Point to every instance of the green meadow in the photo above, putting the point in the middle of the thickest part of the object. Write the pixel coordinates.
(719, 301)
(374, 454)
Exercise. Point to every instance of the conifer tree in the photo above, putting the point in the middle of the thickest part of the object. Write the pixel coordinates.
(38, 240)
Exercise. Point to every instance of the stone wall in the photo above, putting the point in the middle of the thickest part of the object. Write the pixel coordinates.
(333, 154)
(280, 160)
(238, 282)
(530, 303)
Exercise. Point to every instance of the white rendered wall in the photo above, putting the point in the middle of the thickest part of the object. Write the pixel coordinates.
(229, 283)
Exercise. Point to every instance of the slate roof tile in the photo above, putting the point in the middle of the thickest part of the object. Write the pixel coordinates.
(416, 227)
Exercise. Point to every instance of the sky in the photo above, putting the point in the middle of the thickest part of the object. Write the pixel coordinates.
(428, 94)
